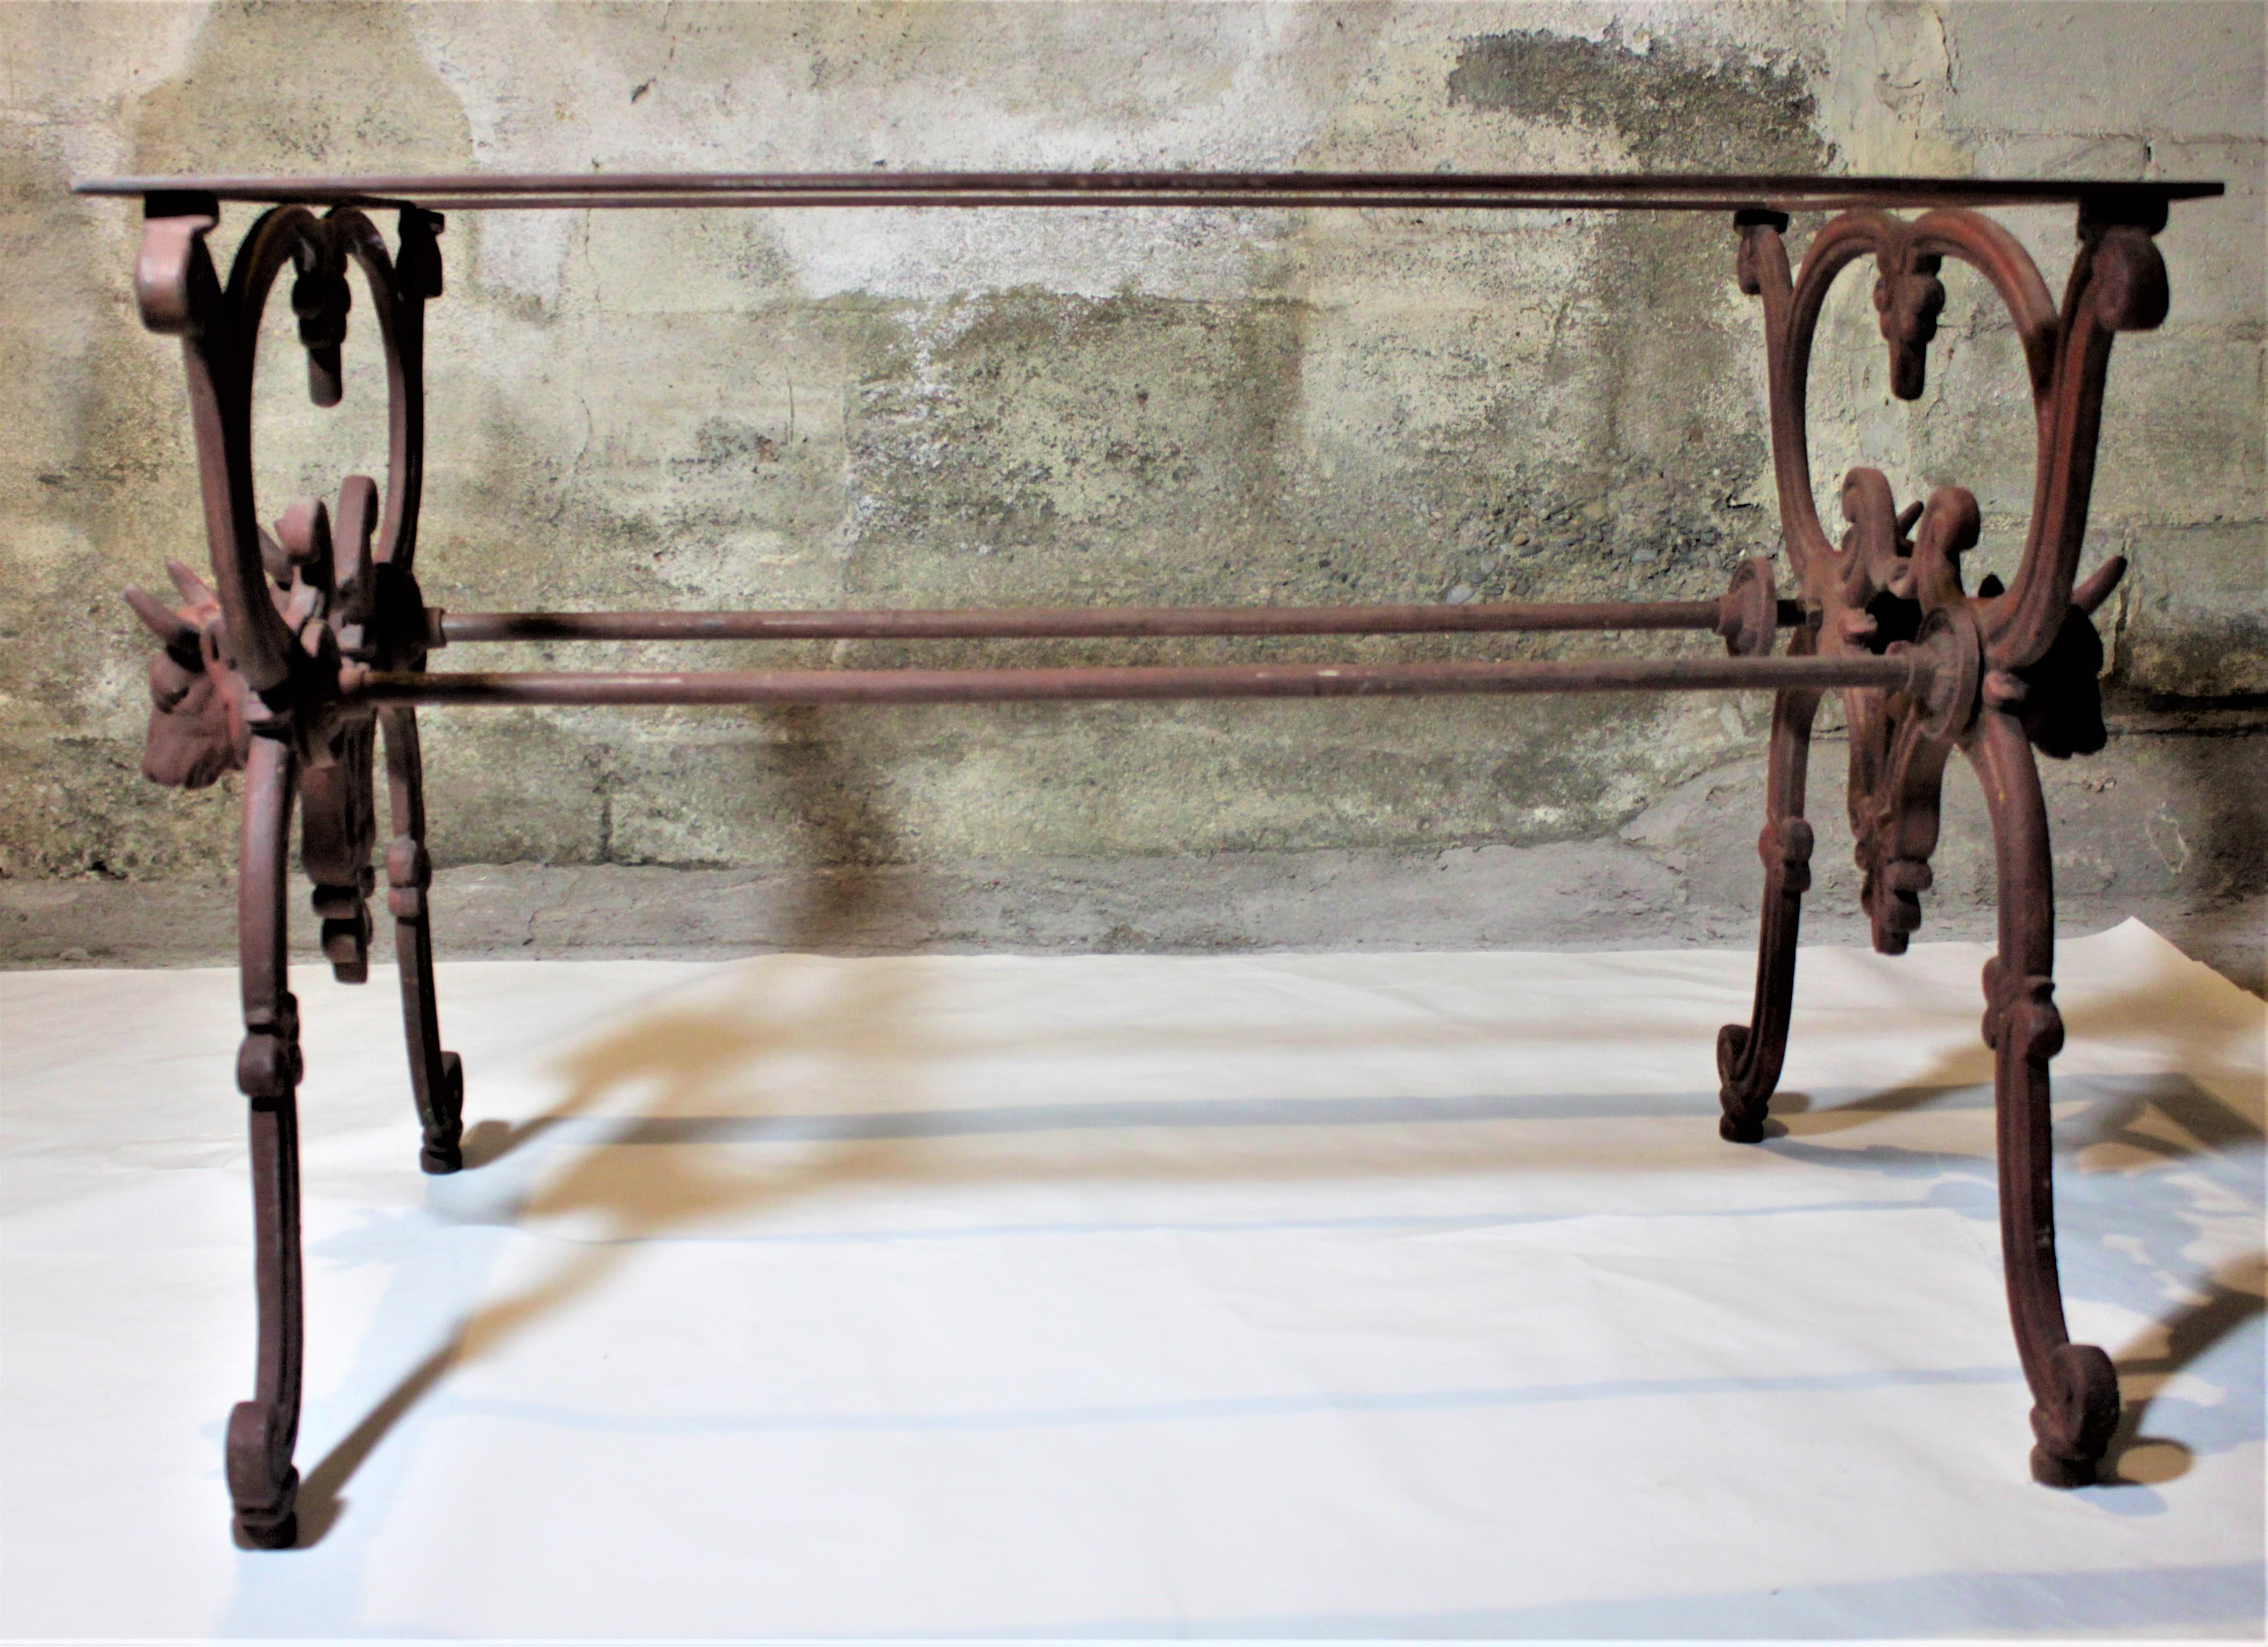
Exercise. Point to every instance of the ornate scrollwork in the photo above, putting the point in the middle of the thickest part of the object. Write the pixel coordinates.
(259, 653)
(1908, 298)
(2015, 671)
(179, 293)
(1897, 572)
(1748, 613)
(2021, 1011)
(198, 727)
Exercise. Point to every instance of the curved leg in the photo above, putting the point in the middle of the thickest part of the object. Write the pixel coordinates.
(1749, 1055)
(2074, 1388)
(262, 1431)
(436, 1077)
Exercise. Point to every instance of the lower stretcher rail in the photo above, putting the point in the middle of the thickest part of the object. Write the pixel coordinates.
(1902, 672)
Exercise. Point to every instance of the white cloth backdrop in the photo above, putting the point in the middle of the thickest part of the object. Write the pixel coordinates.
(1379, 1295)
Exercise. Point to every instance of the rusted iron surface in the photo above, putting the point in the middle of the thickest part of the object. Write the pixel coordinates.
(248, 678)
(1910, 672)
(2028, 657)
(472, 191)
(2074, 1388)
(436, 1078)
(1749, 1055)
(312, 641)
(262, 1431)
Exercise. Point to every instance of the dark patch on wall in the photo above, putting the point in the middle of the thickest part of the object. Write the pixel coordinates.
(1658, 280)
(1676, 111)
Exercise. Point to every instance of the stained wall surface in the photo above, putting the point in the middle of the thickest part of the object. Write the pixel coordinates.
(751, 408)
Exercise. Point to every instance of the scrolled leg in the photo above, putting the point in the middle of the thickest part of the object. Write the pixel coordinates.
(249, 679)
(1749, 1055)
(436, 1077)
(2074, 1388)
(263, 1431)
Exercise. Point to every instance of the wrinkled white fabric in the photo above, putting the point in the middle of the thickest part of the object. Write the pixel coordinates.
(1360, 1295)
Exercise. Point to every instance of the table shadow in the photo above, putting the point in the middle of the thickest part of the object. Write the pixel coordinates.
(698, 1071)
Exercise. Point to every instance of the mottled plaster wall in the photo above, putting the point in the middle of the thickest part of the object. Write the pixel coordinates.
(751, 408)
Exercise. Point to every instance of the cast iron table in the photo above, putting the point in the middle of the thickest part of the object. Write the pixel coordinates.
(308, 641)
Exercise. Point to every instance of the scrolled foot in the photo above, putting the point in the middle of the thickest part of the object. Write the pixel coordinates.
(444, 1148)
(263, 1534)
(2075, 1420)
(1743, 1119)
(1735, 1128)
(261, 1479)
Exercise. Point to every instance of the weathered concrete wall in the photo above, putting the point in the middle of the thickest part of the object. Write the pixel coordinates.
(753, 409)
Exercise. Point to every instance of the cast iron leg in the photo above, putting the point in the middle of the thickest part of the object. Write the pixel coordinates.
(2074, 1388)
(436, 1077)
(1749, 1055)
(262, 1431)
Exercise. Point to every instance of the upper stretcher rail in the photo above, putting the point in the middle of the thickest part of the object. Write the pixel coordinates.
(475, 191)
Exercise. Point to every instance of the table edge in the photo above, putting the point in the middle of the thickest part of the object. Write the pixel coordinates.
(1628, 191)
